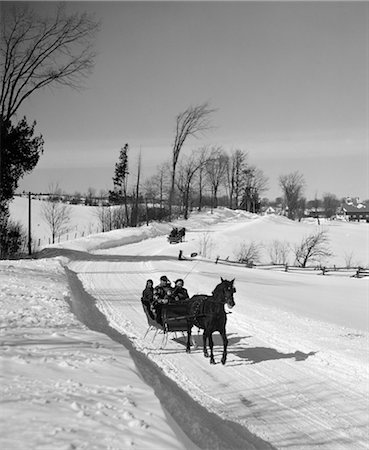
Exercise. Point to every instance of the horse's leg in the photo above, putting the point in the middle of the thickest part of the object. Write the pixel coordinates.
(204, 338)
(211, 345)
(189, 329)
(194, 342)
(225, 345)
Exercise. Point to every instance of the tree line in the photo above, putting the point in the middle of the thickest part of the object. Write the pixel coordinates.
(201, 179)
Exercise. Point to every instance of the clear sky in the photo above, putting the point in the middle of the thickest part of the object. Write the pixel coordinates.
(289, 81)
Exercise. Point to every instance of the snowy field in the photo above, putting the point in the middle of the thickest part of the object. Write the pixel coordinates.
(297, 373)
(83, 221)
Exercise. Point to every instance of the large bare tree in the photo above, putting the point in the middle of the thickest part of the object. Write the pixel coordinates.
(187, 171)
(216, 171)
(189, 123)
(254, 184)
(292, 186)
(38, 51)
(202, 156)
(235, 179)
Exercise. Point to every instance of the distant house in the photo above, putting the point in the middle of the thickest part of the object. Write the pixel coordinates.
(353, 209)
(315, 212)
(269, 210)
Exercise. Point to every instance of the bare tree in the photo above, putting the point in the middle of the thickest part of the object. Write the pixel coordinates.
(105, 216)
(292, 186)
(203, 156)
(187, 170)
(330, 205)
(235, 179)
(216, 170)
(301, 208)
(119, 217)
(157, 186)
(190, 123)
(254, 184)
(312, 248)
(349, 259)
(206, 244)
(56, 214)
(278, 252)
(249, 253)
(41, 51)
(91, 194)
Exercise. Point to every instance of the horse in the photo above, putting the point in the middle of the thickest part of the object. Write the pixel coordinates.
(207, 312)
(181, 233)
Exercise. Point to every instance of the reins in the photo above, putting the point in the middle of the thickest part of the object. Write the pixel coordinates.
(188, 273)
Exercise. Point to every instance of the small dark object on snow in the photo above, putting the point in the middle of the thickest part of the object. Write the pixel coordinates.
(176, 235)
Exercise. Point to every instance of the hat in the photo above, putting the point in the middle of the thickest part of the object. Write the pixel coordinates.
(164, 278)
(179, 279)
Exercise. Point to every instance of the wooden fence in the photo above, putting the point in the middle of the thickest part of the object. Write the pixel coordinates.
(356, 272)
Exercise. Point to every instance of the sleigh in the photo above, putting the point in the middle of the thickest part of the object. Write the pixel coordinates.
(174, 318)
(176, 235)
(203, 311)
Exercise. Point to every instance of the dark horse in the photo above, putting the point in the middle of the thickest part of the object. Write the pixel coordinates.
(207, 312)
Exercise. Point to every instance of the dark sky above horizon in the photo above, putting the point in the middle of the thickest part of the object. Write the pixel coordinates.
(289, 81)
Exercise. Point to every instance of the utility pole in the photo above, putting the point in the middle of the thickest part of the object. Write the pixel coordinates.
(29, 225)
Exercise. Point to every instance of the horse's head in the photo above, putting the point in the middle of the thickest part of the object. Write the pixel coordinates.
(225, 291)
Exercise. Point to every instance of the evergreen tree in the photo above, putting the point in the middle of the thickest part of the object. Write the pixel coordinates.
(121, 176)
(20, 152)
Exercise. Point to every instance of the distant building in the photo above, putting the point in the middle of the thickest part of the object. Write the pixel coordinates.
(317, 213)
(353, 209)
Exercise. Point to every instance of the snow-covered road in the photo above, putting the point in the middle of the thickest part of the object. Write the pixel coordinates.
(297, 368)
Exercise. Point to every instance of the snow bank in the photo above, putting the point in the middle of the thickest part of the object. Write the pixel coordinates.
(229, 229)
(62, 385)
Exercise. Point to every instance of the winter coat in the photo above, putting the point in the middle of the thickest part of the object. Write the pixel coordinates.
(147, 296)
(160, 293)
(180, 293)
